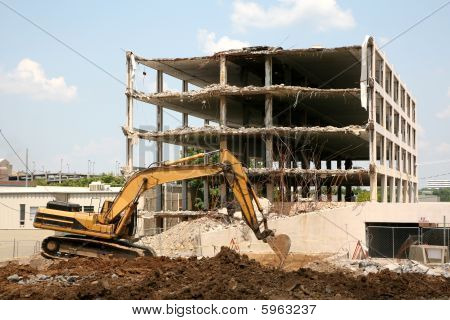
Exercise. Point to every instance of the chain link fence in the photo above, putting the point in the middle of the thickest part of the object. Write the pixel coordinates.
(18, 248)
(394, 241)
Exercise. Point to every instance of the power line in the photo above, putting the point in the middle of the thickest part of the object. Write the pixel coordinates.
(12, 148)
(437, 175)
(62, 43)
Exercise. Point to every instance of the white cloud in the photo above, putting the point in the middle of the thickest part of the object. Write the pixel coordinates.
(29, 79)
(443, 148)
(323, 14)
(210, 45)
(444, 113)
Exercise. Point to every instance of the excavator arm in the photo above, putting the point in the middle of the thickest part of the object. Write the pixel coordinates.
(120, 211)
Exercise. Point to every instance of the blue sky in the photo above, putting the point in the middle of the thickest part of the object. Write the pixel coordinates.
(71, 110)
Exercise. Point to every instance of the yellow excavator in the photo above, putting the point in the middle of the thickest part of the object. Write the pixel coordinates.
(111, 231)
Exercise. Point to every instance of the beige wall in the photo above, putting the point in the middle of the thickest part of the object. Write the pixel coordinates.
(329, 231)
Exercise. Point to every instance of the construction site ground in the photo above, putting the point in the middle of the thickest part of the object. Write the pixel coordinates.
(228, 275)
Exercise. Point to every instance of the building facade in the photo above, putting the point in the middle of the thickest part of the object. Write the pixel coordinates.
(307, 123)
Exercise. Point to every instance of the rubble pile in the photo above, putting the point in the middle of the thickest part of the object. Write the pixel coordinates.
(398, 266)
(182, 240)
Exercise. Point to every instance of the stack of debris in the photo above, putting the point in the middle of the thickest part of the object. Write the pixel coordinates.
(399, 266)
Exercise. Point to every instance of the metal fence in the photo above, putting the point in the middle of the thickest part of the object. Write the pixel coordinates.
(18, 248)
(393, 242)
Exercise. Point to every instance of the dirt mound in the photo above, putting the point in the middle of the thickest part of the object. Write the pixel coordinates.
(228, 275)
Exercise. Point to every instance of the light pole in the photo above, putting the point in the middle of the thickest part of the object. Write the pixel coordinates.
(89, 166)
(60, 171)
(26, 168)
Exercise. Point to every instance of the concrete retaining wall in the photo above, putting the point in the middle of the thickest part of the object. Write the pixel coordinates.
(328, 231)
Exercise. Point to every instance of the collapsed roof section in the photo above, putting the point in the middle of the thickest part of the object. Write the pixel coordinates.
(292, 105)
(312, 67)
(350, 141)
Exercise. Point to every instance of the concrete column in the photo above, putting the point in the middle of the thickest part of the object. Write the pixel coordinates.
(405, 191)
(383, 188)
(411, 191)
(223, 121)
(268, 122)
(159, 149)
(392, 162)
(206, 181)
(400, 195)
(130, 88)
(399, 190)
(184, 184)
(329, 190)
(383, 161)
(318, 166)
(305, 165)
(339, 188)
(392, 189)
(373, 187)
(372, 132)
(373, 163)
(416, 193)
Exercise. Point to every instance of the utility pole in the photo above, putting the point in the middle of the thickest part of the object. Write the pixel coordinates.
(60, 171)
(89, 165)
(26, 168)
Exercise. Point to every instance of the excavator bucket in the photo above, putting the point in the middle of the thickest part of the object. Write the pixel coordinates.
(280, 244)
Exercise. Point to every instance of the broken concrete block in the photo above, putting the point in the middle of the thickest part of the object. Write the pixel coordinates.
(14, 278)
(394, 267)
(420, 268)
(42, 277)
(371, 269)
(432, 272)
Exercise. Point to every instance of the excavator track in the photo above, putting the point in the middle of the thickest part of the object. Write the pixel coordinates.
(63, 247)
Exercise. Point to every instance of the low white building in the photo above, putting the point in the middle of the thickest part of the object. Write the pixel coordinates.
(18, 205)
(438, 184)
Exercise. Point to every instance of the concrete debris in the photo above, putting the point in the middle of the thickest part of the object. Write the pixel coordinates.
(34, 279)
(216, 130)
(183, 238)
(14, 278)
(394, 267)
(215, 90)
(400, 266)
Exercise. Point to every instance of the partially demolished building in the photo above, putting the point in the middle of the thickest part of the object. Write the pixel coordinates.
(307, 123)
